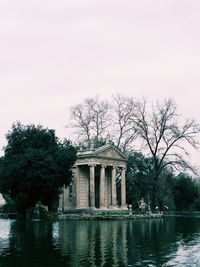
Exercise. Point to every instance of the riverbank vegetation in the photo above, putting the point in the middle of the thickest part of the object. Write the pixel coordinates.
(176, 191)
(155, 137)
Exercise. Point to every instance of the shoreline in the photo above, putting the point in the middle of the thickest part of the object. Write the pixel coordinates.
(86, 216)
(108, 217)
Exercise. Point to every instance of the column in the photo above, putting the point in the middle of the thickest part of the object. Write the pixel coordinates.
(113, 185)
(92, 190)
(123, 189)
(77, 187)
(102, 187)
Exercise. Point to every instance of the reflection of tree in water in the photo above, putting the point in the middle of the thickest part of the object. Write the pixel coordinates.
(187, 228)
(188, 240)
(31, 244)
(155, 241)
(96, 243)
(149, 241)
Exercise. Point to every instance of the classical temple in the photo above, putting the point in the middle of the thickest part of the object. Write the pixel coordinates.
(94, 180)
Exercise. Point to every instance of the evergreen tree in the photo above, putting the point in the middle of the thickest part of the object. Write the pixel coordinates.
(35, 165)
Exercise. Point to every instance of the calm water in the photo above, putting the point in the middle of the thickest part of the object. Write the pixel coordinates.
(170, 241)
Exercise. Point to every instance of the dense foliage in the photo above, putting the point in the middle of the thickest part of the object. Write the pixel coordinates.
(186, 193)
(176, 192)
(35, 165)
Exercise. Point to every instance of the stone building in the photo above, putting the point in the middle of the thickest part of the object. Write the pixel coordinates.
(94, 180)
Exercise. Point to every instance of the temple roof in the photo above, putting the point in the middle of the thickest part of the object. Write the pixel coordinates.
(107, 151)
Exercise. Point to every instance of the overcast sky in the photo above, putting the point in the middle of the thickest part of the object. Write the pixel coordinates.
(53, 54)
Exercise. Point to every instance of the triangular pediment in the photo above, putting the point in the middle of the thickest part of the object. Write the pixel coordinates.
(106, 154)
(110, 152)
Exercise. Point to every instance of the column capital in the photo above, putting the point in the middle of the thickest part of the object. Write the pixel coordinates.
(92, 165)
(123, 168)
(103, 166)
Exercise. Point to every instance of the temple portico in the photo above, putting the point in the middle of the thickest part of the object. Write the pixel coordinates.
(97, 175)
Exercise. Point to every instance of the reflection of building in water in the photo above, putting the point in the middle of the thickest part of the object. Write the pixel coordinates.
(94, 180)
(4, 229)
(5, 226)
(99, 243)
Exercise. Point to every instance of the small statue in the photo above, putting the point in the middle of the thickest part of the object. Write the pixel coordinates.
(157, 209)
(142, 205)
(130, 209)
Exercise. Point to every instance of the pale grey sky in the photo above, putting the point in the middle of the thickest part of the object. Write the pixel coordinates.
(53, 54)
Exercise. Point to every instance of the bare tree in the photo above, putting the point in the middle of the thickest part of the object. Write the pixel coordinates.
(90, 119)
(99, 111)
(95, 119)
(81, 121)
(157, 128)
(165, 137)
(124, 133)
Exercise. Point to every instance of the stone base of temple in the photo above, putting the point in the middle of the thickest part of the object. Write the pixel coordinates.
(95, 210)
(113, 208)
(109, 214)
(123, 208)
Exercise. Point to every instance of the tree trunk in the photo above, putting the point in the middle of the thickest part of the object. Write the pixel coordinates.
(155, 203)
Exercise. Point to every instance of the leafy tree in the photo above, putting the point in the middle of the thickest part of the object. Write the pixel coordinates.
(166, 190)
(35, 165)
(186, 192)
(140, 180)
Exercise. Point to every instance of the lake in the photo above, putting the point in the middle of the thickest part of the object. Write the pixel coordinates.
(171, 241)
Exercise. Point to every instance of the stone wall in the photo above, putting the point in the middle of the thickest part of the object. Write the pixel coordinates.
(84, 187)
